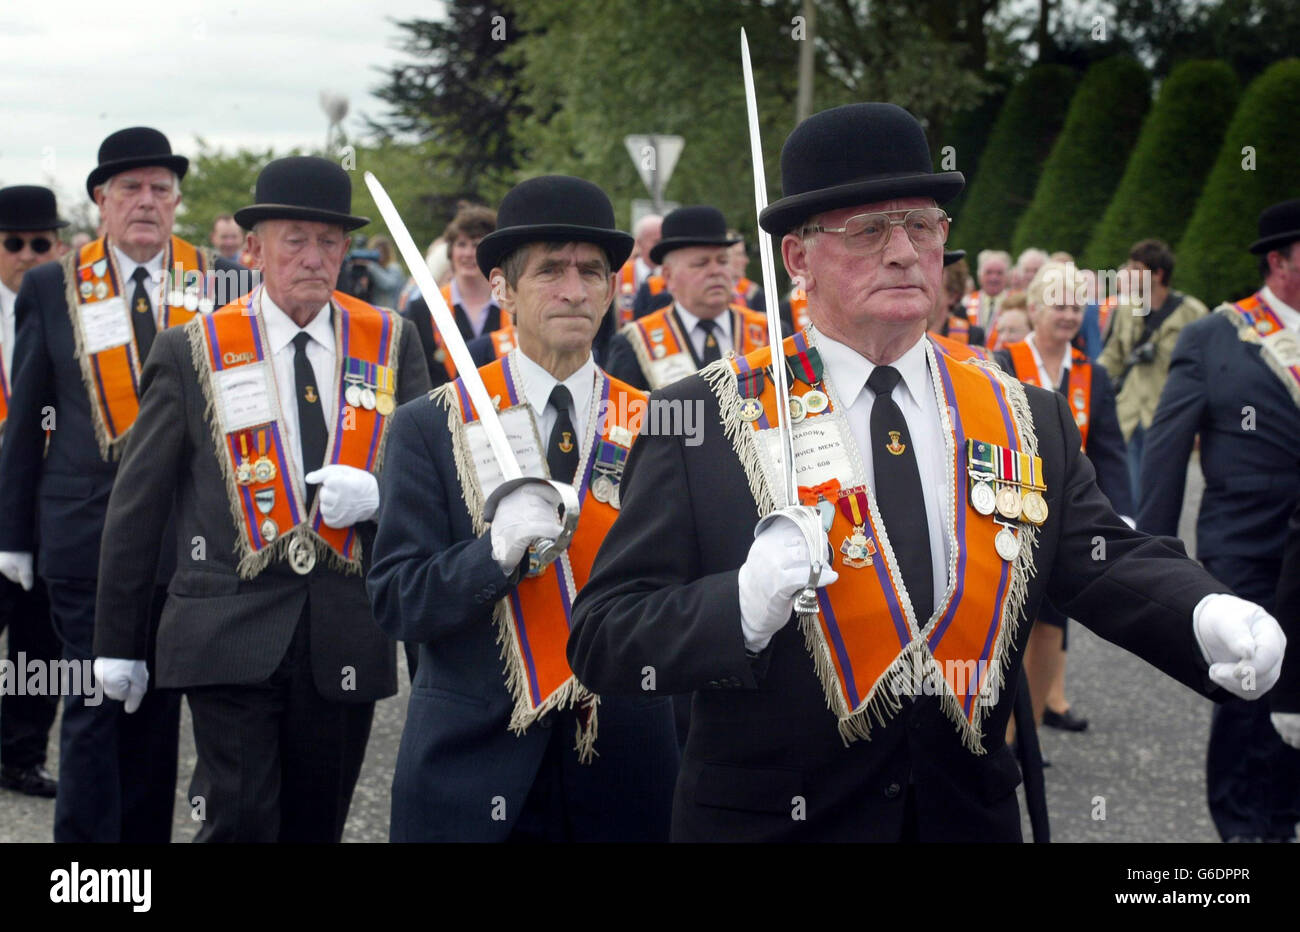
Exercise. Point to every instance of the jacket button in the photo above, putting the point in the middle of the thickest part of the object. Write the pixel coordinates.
(714, 684)
(545, 721)
(892, 790)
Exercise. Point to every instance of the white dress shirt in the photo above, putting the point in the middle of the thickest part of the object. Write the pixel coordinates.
(641, 270)
(848, 371)
(1045, 379)
(536, 384)
(7, 299)
(477, 320)
(697, 336)
(280, 331)
(1289, 316)
(127, 266)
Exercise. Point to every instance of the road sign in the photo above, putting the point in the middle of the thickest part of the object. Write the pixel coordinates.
(655, 157)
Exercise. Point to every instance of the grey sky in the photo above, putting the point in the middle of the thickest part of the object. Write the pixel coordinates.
(238, 74)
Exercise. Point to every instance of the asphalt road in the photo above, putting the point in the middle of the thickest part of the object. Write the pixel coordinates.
(1136, 775)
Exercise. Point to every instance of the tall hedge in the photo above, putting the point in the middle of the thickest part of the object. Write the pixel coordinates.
(1021, 138)
(1212, 258)
(967, 133)
(1088, 159)
(1173, 155)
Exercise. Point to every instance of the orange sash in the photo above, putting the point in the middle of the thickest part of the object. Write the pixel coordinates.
(105, 339)
(958, 350)
(4, 393)
(533, 620)
(799, 309)
(865, 640)
(1079, 390)
(1256, 322)
(626, 296)
(663, 348)
(272, 520)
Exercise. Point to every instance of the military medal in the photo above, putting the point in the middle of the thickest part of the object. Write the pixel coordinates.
(815, 402)
(352, 395)
(982, 497)
(244, 471)
(353, 376)
(368, 399)
(751, 409)
(607, 467)
(87, 289)
(385, 404)
(857, 549)
(750, 385)
(1008, 502)
(797, 412)
(101, 290)
(269, 529)
(385, 388)
(1006, 544)
(1034, 507)
(263, 469)
(302, 556)
(659, 351)
(602, 489)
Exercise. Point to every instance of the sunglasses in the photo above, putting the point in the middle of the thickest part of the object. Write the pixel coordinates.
(40, 244)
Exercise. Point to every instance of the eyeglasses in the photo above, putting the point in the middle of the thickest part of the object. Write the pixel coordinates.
(926, 227)
(40, 244)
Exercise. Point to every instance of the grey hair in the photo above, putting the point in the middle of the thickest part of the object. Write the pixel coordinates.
(988, 255)
(108, 183)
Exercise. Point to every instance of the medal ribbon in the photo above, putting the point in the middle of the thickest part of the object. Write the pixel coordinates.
(853, 505)
(811, 495)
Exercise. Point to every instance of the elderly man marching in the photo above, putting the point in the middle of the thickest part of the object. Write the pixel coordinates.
(85, 326)
(944, 501)
(267, 422)
(703, 324)
(502, 742)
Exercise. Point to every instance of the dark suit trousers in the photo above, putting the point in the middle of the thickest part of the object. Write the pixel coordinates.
(25, 720)
(1252, 777)
(276, 761)
(117, 772)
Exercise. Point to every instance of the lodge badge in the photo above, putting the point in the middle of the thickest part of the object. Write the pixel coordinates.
(797, 410)
(302, 556)
(751, 409)
(857, 549)
(566, 442)
(894, 446)
(815, 402)
(87, 289)
(269, 529)
(265, 499)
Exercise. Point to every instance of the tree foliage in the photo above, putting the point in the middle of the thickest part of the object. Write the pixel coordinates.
(1256, 167)
(1088, 159)
(1179, 141)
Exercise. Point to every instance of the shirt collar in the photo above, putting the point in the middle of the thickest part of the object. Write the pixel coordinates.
(455, 296)
(538, 383)
(848, 370)
(690, 321)
(7, 298)
(1289, 315)
(127, 266)
(281, 329)
(1033, 345)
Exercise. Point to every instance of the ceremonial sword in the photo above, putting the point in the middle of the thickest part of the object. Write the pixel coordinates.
(444, 323)
(786, 497)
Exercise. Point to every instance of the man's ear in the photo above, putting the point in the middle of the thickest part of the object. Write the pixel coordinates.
(497, 278)
(253, 246)
(794, 253)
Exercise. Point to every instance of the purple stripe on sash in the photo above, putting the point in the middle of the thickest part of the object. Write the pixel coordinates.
(466, 409)
(288, 485)
(959, 466)
(385, 336)
(597, 435)
(525, 647)
(210, 325)
(988, 640)
(837, 643)
(246, 495)
(891, 597)
(99, 380)
(511, 392)
(344, 319)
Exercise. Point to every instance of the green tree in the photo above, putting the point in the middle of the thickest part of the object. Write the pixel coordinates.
(1018, 144)
(217, 183)
(1256, 167)
(1178, 144)
(1088, 159)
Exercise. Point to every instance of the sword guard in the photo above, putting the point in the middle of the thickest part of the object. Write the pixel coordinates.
(547, 551)
(809, 522)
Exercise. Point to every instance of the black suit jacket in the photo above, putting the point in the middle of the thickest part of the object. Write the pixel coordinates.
(433, 581)
(1285, 696)
(663, 594)
(65, 486)
(1220, 388)
(218, 629)
(1106, 449)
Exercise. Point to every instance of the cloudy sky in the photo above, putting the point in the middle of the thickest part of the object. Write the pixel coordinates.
(236, 73)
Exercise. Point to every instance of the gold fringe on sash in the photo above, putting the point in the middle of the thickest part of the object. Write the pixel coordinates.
(1265, 351)
(109, 449)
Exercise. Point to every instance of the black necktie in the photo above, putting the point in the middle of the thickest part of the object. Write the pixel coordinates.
(712, 351)
(142, 313)
(562, 450)
(898, 492)
(311, 417)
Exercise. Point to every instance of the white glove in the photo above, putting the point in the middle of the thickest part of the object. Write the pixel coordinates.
(1129, 521)
(1242, 643)
(1287, 725)
(347, 494)
(528, 514)
(17, 568)
(776, 569)
(123, 680)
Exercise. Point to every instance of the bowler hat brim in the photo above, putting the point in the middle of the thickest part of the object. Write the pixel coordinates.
(105, 170)
(665, 246)
(248, 217)
(494, 247)
(784, 215)
(1276, 241)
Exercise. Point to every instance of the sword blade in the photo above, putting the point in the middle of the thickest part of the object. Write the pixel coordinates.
(788, 494)
(445, 324)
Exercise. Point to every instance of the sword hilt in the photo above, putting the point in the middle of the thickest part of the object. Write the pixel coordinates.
(546, 549)
(809, 522)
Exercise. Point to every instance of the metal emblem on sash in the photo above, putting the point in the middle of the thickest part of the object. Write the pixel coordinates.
(1007, 544)
(263, 468)
(659, 351)
(815, 402)
(797, 410)
(1008, 502)
(352, 395)
(100, 268)
(894, 446)
(982, 497)
(858, 549)
(269, 529)
(87, 289)
(368, 399)
(265, 499)
(751, 409)
(602, 489)
(1034, 507)
(302, 556)
(385, 404)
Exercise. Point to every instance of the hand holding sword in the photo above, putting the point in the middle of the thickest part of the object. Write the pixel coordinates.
(805, 519)
(444, 322)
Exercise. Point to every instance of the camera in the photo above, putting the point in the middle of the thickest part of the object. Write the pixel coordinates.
(354, 276)
(1142, 354)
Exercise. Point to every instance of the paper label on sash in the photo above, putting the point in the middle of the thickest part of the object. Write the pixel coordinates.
(671, 369)
(821, 452)
(244, 397)
(521, 433)
(104, 325)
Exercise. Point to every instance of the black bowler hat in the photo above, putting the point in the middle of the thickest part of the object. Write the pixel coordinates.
(554, 209)
(302, 187)
(1279, 226)
(953, 255)
(134, 147)
(692, 226)
(27, 207)
(855, 154)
